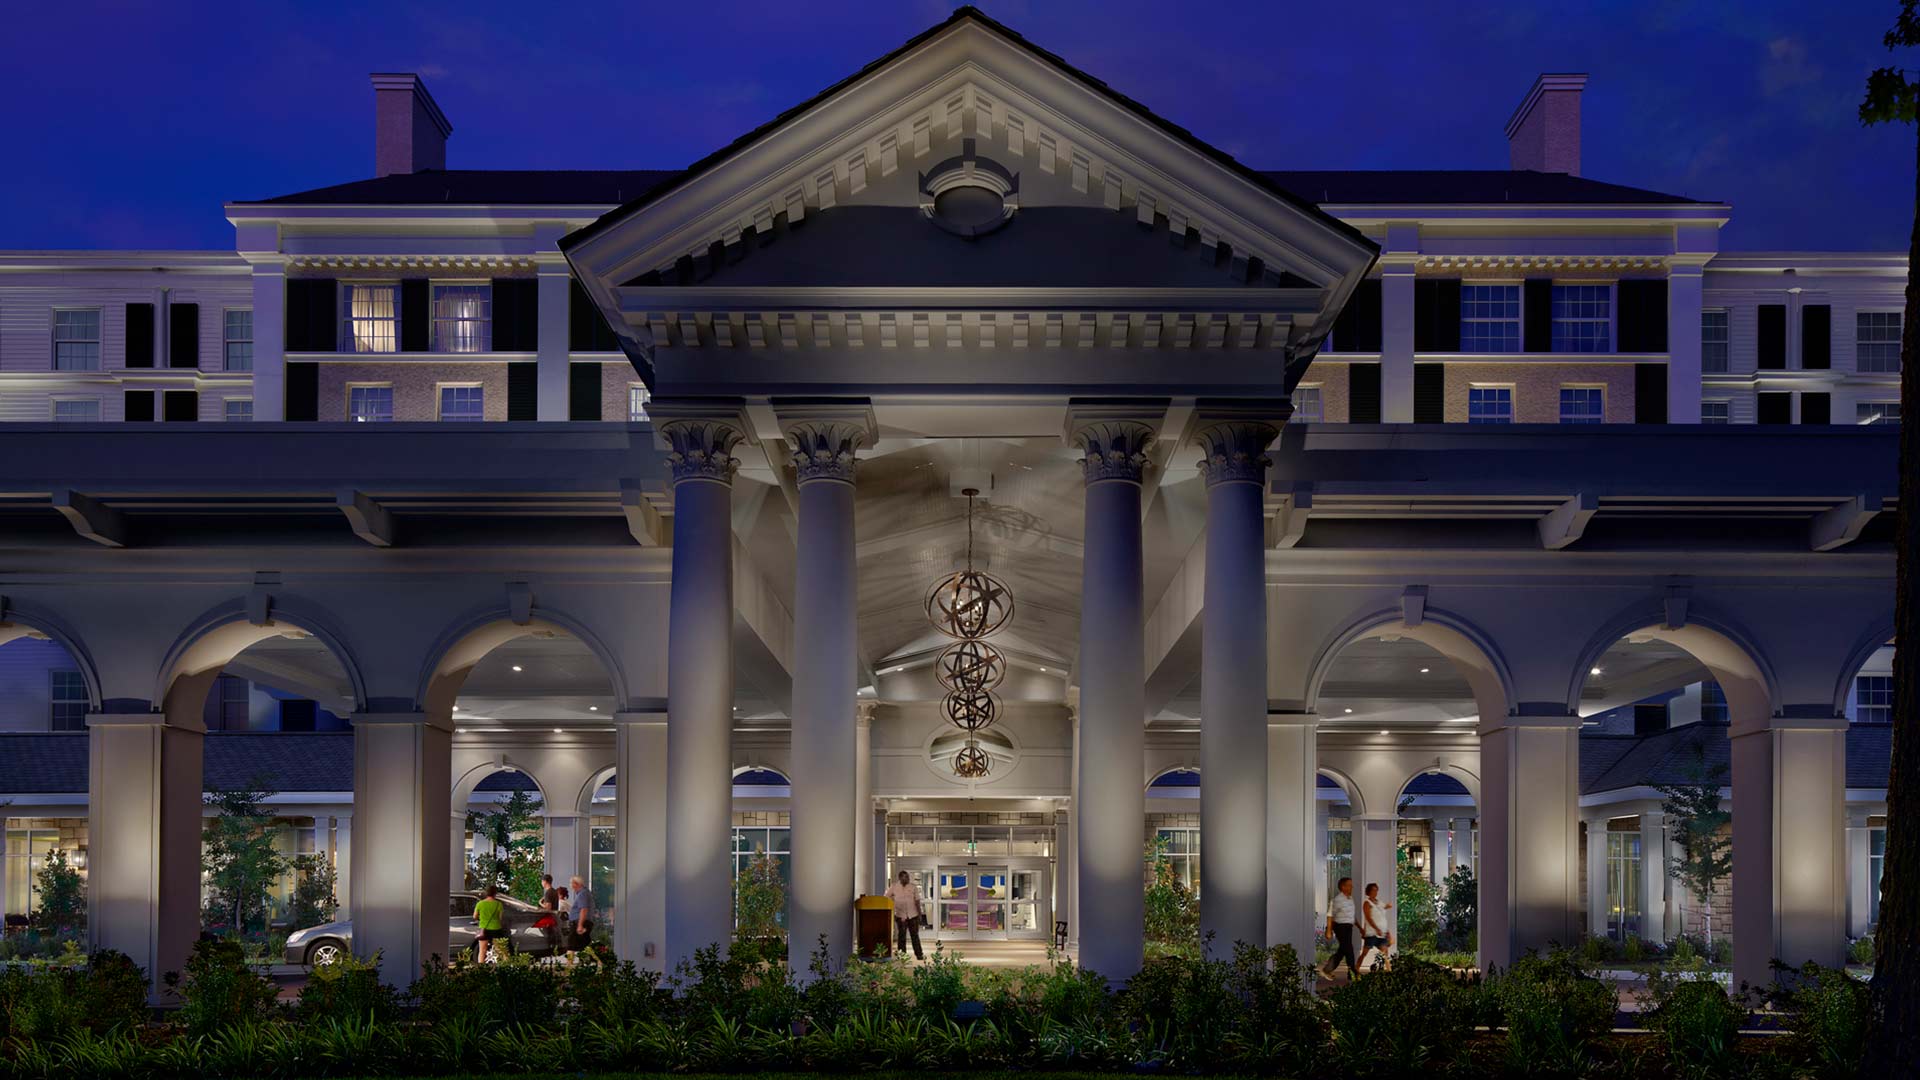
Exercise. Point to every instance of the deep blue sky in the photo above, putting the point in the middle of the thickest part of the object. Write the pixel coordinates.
(127, 125)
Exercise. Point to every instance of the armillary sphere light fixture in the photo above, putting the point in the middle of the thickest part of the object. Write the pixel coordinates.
(969, 605)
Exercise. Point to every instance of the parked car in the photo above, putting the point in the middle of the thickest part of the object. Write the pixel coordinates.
(325, 944)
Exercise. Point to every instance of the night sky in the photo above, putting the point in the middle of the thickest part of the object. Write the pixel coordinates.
(127, 125)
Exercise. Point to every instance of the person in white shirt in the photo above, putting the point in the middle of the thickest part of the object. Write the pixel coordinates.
(907, 911)
(1340, 930)
(1374, 928)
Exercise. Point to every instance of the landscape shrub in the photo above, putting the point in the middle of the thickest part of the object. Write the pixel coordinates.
(1827, 1010)
(348, 988)
(108, 993)
(1555, 1013)
(1696, 1022)
(494, 995)
(1402, 1021)
(219, 989)
(608, 990)
(1860, 950)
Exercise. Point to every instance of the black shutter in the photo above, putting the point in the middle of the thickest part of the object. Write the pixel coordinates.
(516, 315)
(1774, 407)
(583, 391)
(523, 391)
(183, 335)
(180, 405)
(1358, 328)
(1816, 339)
(1436, 315)
(1649, 393)
(139, 335)
(1536, 324)
(1772, 355)
(313, 315)
(303, 391)
(139, 405)
(1363, 393)
(1429, 393)
(1816, 408)
(416, 315)
(1642, 315)
(587, 331)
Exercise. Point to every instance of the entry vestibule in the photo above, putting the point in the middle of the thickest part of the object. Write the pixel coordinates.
(980, 882)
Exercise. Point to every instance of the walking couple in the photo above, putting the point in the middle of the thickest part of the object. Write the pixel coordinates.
(1370, 931)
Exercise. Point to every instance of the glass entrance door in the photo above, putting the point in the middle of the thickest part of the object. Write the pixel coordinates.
(990, 903)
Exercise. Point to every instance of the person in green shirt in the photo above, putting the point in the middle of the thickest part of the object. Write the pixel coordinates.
(490, 916)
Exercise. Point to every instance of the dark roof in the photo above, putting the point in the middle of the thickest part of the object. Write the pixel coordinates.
(486, 187)
(56, 762)
(1341, 187)
(1612, 762)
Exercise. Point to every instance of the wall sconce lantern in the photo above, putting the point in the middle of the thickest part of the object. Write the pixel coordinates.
(1417, 855)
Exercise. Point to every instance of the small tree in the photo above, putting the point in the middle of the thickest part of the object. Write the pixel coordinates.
(240, 859)
(1460, 909)
(759, 905)
(1698, 824)
(1172, 911)
(509, 848)
(313, 899)
(62, 907)
(1417, 904)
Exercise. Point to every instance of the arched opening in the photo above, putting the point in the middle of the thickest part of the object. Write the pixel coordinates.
(762, 853)
(501, 834)
(1437, 866)
(1335, 808)
(46, 688)
(1866, 699)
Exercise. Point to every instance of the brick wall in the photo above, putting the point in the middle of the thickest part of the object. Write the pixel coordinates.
(416, 386)
(1536, 388)
(1331, 378)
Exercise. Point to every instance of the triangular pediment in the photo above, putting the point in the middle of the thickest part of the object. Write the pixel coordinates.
(840, 189)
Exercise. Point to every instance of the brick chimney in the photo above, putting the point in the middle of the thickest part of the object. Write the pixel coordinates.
(409, 130)
(1544, 134)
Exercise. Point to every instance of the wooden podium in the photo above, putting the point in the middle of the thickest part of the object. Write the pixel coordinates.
(873, 927)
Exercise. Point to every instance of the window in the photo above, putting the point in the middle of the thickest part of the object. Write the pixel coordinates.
(637, 398)
(1489, 318)
(68, 701)
(76, 410)
(1876, 869)
(239, 340)
(462, 403)
(600, 872)
(1715, 342)
(27, 851)
(239, 409)
(463, 318)
(76, 339)
(370, 318)
(1583, 405)
(1182, 847)
(1876, 340)
(370, 404)
(1873, 699)
(1490, 405)
(228, 707)
(1877, 412)
(1713, 703)
(1308, 406)
(1583, 318)
(1716, 412)
(768, 844)
(1339, 857)
(1623, 882)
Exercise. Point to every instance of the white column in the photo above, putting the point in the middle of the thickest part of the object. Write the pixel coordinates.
(1296, 832)
(555, 325)
(1789, 792)
(1653, 876)
(1062, 870)
(1070, 869)
(343, 862)
(1376, 846)
(6, 868)
(639, 839)
(1529, 829)
(1321, 842)
(699, 885)
(825, 679)
(143, 828)
(566, 846)
(877, 845)
(1597, 877)
(1233, 678)
(1112, 690)
(863, 872)
(402, 787)
(1396, 347)
(1684, 301)
(269, 341)
(1860, 883)
(457, 849)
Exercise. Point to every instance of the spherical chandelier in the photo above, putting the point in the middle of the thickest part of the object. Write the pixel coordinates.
(969, 605)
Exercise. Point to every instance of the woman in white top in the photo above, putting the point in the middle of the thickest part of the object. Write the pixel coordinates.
(1374, 931)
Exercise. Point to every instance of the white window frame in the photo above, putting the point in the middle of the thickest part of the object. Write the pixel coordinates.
(639, 415)
(1723, 403)
(98, 340)
(1613, 316)
(1899, 315)
(1598, 388)
(1881, 406)
(440, 400)
(1183, 856)
(1315, 415)
(1725, 343)
(226, 409)
(479, 338)
(57, 400)
(1881, 689)
(1508, 387)
(56, 699)
(228, 341)
(349, 340)
(352, 386)
(1519, 319)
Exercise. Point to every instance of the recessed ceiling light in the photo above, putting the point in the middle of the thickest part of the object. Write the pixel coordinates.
(1594, 671)
(456, 708)
(559, 731)
(593, 708)
(1423, 671)
(1383, 731)
(1349, 710)
(1043, 669)
(460, 731)
(517, 667)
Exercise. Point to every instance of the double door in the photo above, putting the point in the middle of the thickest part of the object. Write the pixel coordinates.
(983, 901)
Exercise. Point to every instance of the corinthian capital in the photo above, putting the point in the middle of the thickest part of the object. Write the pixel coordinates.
(1235, 451)
(1115, 444)
(824, 437)
(699, 437)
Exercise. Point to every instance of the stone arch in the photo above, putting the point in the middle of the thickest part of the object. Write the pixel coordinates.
(1184, 766)
(584, 804)
(18, 622)
(462, 646)
(465, 784)
(1722, 647)
(1878, 636)
(223, 632)
(1467, 777)
(1462, 644)
(1356, 802)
